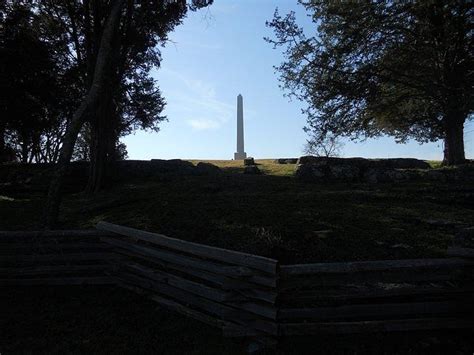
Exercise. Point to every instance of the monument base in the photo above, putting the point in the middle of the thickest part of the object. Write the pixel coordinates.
(240, 156)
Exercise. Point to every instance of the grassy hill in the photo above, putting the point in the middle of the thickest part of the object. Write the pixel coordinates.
(267, 166)
(271, 214)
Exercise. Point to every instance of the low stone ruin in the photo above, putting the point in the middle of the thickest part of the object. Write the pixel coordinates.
(391, 163)
(324, 169)
(249, 161)
(250, 167)
(286, 161)
(252, 170)
(207, 169)
(15, 175)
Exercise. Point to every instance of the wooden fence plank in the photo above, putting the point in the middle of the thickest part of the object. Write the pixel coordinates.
(28, 247)
(367, 311)
(260, 309)
(375, 326)
(461, 252)
(321, 280)
(239, 286)
(381, 265)
(86, 256)
(257, 294)
(208, 306)
(351, 296)
(8, 236)
(224, 255)
(177, 307)
(93, 280)
(180, 259)
(239, 332)
(179, 282)
(230, 329)
(171, 292)
(54, 269)
(206, 292)
(237, 292)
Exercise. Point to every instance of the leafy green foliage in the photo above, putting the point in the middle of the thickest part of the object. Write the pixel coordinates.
(49, 51)
(30, 85)
(399, 68)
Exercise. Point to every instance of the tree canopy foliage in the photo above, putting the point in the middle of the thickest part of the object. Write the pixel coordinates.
(132, 99)
(80, 71)
(401, 68)
(31, 88)
(49, 52)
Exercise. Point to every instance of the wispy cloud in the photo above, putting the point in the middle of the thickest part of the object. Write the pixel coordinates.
(203, 124)
(197, 103)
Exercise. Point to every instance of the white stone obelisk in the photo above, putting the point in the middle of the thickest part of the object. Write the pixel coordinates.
(240, 154)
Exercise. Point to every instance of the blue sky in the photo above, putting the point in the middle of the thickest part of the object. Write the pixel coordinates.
(218, 53)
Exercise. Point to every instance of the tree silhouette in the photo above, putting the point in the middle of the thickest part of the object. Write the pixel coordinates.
(115, 48)
(398, 68)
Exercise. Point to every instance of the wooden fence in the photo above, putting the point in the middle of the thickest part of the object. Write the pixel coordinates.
(376, 296)
(69, 257)
(234, 291)
(247, 295)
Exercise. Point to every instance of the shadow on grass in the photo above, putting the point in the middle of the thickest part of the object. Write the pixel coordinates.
(303, 222)
(110, 320)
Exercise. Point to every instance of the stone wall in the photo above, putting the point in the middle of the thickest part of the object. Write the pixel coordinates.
(322, 169)
(16, 175)
(286, 161)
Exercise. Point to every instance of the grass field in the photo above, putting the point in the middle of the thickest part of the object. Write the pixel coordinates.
(267, 166)
(271, 214)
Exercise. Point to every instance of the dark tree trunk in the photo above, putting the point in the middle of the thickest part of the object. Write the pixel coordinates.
(99, 159)
(103, 128)
(54, 192)
(113, 136)
(24, 151)
(95, 157)
(2, 138)
(3, 152)
(88, 106)
(454, 142)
